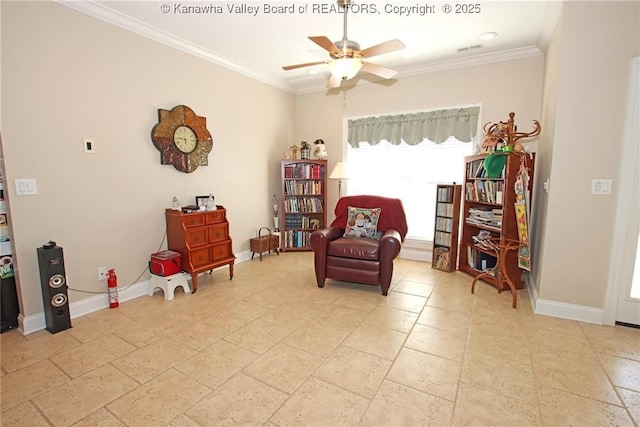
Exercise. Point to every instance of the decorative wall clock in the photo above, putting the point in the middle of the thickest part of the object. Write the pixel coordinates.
(182, 138)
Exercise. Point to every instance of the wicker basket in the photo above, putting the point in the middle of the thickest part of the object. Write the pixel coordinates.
(264, 243)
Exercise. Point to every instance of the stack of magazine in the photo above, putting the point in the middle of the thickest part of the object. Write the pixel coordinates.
(485, 217)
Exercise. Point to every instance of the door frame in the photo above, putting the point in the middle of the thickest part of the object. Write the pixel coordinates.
(624, 244)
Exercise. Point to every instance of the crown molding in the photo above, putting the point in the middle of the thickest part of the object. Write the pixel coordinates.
(102, 12)
(470, 61)
(99, 11)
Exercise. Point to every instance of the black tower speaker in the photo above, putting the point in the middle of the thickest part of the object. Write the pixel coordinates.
(54, 287)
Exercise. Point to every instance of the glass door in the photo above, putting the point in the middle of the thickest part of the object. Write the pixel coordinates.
(624, 283)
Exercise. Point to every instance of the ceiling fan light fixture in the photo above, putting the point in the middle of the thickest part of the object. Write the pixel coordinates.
(345, 68)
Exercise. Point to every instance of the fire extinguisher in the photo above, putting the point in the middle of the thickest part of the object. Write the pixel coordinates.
(112, 283)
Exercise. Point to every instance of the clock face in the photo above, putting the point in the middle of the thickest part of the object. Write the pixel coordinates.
(185, 139)
(182, 138)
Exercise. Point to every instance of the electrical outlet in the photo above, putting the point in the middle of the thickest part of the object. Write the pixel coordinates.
(102, 273)
(89, 145)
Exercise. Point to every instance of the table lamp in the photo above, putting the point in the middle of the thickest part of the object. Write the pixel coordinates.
(339, 172)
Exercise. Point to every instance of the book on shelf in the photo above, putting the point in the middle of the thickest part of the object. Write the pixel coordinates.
(479, 260)
(303, 204)
(302, 221)
(444, 209)
(297, 238)
(442, 238)
(303, 187)
(304, 171)
(488, 191)
(475, 169)
(445, 194)
(444, 224)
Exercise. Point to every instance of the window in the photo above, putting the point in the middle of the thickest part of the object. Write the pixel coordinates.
(410, 173)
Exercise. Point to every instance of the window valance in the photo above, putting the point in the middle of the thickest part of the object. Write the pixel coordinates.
(436, 126)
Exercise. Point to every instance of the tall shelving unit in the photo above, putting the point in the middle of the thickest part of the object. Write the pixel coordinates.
(304, 201)
(9, 308)
(447, 225)
(489, 207)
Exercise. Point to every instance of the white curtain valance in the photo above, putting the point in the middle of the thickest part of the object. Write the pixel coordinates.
(436, 126)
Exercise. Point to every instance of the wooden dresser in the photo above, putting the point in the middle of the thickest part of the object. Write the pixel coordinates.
(203, 240)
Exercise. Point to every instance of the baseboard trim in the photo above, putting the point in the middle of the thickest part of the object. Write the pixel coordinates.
(563, 310)
(415, 255)
(416, 250)
(37, 322)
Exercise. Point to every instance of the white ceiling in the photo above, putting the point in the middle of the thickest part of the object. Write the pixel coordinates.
(259, 44)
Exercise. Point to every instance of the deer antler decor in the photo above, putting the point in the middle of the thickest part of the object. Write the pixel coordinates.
(508, 132)
(513, 136)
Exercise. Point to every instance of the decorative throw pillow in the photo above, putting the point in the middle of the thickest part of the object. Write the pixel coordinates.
(362, 222)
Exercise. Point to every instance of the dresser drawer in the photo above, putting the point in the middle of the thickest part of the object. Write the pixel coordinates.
(221, 251)
(218, 233)
(216, 216)
(193, 220)
(202, 238)
(200, 257)
(196, 237)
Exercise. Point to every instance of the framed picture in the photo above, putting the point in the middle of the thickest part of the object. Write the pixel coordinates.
(201, 202)
(3, 219)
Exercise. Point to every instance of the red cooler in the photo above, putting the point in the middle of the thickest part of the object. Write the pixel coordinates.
(165, 263)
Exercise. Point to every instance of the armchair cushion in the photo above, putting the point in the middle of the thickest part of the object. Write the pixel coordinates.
(391, 217)
(362, 222)
(354, 247)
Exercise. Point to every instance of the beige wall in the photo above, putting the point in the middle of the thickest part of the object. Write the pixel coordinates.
(586, 77)
(500, 88)
(544, 155)
(67, 76)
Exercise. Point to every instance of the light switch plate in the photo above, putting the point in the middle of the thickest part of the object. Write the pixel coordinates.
(26, 187)
(601, 186)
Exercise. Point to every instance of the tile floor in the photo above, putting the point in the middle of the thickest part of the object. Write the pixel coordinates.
(270, 348)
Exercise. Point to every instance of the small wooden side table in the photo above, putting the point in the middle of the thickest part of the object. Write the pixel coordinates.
(500, 247)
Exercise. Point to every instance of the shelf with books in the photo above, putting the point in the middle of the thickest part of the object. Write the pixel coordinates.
(303, 208)
(489, 212)
(447, 225)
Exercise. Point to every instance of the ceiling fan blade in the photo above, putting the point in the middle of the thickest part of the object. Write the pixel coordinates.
(333, 82)
(378, 70)
(379, 49)
(308, 64)
(326, 44)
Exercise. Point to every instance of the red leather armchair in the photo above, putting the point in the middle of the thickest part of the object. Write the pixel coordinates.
(360, 259)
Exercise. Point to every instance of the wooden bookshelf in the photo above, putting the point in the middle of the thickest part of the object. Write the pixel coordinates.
(304, 200)
(447, 225)
(489, 207)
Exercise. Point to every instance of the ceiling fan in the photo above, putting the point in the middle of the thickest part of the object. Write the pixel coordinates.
(347, 58)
